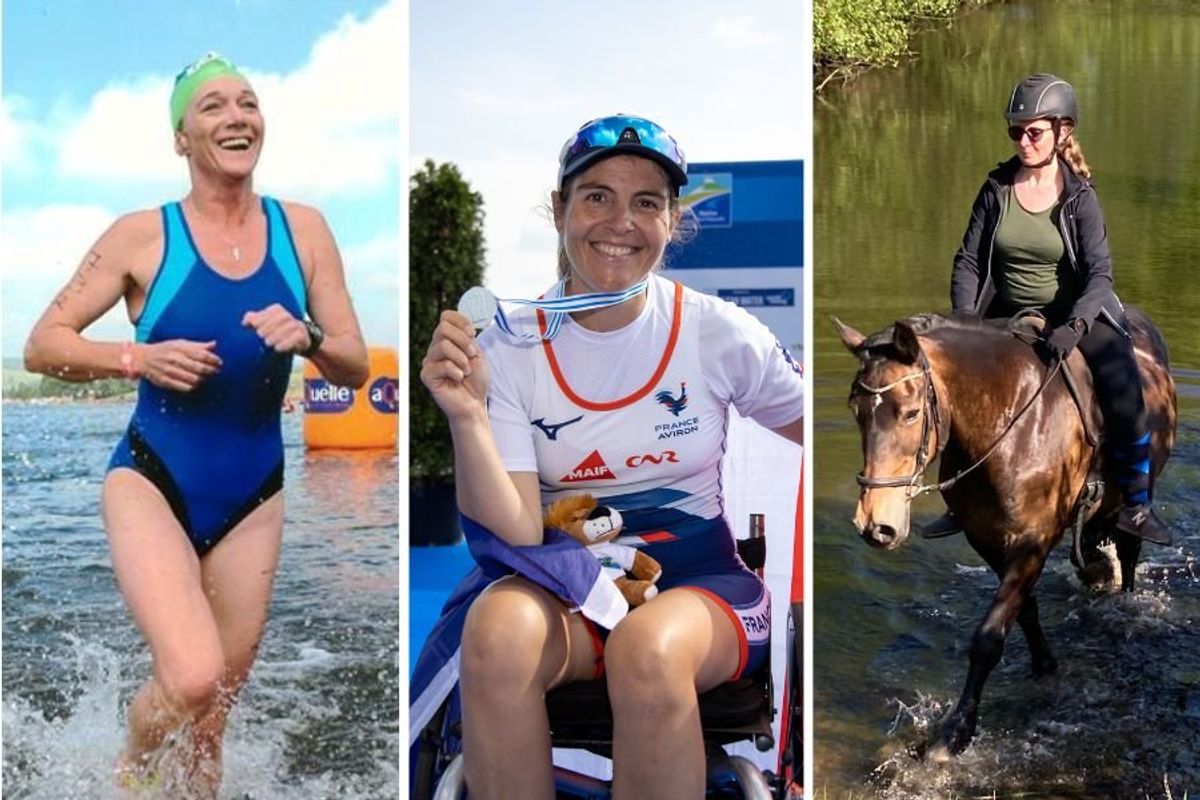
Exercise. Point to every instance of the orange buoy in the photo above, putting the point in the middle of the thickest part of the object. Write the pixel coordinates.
(344, 418)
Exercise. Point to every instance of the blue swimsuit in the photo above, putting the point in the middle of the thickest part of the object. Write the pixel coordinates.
(215, 453)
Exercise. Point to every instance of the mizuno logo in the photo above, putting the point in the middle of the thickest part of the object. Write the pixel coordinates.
(667, 455)
(551, 429)
(591, 468)
(674, 404)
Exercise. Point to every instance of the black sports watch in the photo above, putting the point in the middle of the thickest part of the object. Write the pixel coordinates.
(315, 337)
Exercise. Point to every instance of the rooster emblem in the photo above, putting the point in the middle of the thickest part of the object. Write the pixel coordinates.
(674, 404)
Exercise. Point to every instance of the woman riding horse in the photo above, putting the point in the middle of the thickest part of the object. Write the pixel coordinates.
(1015, 454)
(1036, 241)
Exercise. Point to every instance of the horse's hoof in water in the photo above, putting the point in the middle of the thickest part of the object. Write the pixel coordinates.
(1098, 575)
(932, 751)
(951, 738)
(938, 754)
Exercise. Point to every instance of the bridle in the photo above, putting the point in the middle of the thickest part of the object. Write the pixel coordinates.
(931, 418)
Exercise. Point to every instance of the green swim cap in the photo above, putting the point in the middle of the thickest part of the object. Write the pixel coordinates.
(195, 75)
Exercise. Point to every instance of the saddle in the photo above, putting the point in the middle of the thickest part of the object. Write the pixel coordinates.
(1029, 326)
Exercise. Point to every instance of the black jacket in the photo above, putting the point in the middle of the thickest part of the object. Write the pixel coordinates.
(1081, 225)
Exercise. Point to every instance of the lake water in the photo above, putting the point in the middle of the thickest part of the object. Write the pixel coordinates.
(319, 717)
(899, 157)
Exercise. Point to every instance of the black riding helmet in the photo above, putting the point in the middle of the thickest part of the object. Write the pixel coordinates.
(1042, 96)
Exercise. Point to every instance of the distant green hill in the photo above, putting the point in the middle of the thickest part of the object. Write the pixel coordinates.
(21, 385)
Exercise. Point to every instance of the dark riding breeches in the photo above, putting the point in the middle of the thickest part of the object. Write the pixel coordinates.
(1109, 354)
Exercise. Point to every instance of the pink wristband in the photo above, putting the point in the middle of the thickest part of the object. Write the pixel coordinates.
(127, 360)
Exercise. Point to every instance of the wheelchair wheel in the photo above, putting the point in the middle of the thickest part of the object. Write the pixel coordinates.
(735, 778)
(428, 764)
(793, 747)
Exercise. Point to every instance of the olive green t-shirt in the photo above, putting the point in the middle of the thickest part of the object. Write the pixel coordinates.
(1029, 261)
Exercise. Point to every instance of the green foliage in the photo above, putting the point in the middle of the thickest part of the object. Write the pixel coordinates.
(24, 386)
(872, 32)
(446, 257)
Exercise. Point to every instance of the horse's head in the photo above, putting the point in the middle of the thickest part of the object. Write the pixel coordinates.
(895, 404)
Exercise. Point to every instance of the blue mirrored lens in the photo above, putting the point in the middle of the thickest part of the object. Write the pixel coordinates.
(606, 132)
(204, 60)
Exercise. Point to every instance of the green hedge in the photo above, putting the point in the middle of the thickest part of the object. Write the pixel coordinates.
(872, 32)
(446, 257)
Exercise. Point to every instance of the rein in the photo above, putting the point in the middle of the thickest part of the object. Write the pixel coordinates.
(931, 411)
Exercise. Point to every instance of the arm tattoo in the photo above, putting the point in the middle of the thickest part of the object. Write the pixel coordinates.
(90, 263)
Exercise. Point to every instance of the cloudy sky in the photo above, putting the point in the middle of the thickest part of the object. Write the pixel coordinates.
(85, 134)
(497, 87)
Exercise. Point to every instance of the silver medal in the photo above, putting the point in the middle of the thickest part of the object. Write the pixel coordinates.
(478, 305)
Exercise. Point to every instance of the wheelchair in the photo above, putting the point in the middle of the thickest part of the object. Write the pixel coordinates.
(581, 718)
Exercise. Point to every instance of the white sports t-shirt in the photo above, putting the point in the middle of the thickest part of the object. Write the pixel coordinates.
(637, 416)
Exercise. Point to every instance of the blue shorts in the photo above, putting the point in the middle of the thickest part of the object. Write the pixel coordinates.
(741, 595)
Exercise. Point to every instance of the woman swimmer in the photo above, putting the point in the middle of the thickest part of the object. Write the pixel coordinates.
(218, 286)
(533, 423)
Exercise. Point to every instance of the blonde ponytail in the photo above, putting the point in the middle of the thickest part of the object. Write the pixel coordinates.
(1072, 153)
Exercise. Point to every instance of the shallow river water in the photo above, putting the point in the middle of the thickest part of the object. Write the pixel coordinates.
(318, 718)
(899, 157)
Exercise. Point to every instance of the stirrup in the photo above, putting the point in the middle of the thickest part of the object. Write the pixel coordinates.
(1141, 521)
(945, 525)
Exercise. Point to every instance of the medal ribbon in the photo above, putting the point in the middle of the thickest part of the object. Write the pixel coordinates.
(557, 308)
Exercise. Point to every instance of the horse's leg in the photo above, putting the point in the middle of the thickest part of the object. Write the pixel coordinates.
(1129, 548)
(1044, 662)
(987, 645)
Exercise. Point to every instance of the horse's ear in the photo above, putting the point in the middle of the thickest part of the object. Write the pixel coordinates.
(904, 339)
(850, 337)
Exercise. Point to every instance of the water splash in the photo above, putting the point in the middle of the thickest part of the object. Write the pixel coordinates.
(49, 757)
(73, 756)
(318, 718)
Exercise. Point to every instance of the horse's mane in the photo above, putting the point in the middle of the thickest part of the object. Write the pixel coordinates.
(940, 327)
(936, 325)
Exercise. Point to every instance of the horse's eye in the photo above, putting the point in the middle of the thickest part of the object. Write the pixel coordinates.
(911, 415)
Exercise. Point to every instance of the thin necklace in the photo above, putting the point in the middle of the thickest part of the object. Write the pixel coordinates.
(234, 247)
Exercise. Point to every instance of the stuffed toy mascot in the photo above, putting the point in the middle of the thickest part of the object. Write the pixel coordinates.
(595, 527)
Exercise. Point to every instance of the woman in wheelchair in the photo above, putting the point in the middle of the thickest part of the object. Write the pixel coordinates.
(625, 398)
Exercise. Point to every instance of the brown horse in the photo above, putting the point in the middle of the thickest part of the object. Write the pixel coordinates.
(1016, 457)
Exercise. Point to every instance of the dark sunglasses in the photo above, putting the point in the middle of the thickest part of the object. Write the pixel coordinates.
(1016, 132)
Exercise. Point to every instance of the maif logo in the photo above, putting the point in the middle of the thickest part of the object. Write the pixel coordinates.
(323, 397)
(591, 468)
(669, 456)
(382, 395)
